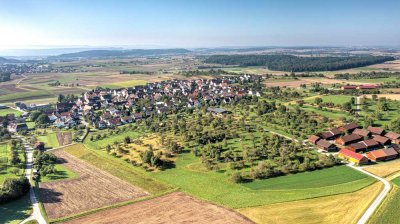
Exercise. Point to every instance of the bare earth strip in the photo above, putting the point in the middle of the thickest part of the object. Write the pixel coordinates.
(176, 207)
(93, 189)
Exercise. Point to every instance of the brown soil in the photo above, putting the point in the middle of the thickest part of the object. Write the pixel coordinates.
(93, 189)
(64, 138)
(176, 207)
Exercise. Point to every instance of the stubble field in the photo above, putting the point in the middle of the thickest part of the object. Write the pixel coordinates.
(93, 189)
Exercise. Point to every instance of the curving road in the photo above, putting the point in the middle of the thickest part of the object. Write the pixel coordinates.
(378, 200)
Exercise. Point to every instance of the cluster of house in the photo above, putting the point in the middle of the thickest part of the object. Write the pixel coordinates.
(162, 97)
(13, 123)
(358, 145)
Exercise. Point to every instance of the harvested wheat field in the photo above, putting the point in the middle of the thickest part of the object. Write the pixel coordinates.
(384, 169)
(93, 189)
(176, 207)
(328, 210)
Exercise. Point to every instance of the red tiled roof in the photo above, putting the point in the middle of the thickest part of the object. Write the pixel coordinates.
(351, 154)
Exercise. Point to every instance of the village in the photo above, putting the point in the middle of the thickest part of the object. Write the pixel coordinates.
(357, 145)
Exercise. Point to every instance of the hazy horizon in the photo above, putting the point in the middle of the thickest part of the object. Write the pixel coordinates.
(197, 24)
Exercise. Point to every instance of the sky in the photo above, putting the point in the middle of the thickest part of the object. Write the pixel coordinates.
(198, 23)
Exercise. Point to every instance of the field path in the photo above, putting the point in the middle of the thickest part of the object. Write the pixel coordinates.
(36, 214)
(378, 200)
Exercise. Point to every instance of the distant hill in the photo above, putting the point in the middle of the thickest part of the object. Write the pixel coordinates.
(120, 53)
(5, 60)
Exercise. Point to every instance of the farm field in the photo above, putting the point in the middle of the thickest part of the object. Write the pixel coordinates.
(119, 168)
(385, 169)
(317, 210)
(327, 112)
(16, 211)
(175, 207)
(124, 84)
(319, 178)
(210, 185)
(101, 144)
(68, 197)
(4, 112)
(388, 212)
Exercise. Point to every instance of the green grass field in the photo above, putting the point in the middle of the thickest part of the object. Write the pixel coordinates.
(62, 173)
(50, 140)
(319, 178)
(326, 113)
(16, 211)
(25, 96)
(5, 168)
(396, 181)
(378, 80)
(4, 112)
(100, 144)
(335, 99)
(125, 84)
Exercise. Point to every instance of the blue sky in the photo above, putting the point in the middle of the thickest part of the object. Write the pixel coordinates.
(195, 23)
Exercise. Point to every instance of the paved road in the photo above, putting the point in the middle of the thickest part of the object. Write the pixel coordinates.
(36, 214)
(378, 200)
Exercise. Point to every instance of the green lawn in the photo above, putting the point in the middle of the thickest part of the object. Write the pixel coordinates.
(378, 80)
(25, 96)
(387, 116)
(16, 211)
(50, 140)
(319, 178)
(4, 112)
(62, 173)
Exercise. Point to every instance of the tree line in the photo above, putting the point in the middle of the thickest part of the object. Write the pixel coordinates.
(298, 64)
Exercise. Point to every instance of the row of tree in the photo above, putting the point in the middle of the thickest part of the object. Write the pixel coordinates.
(298, 64)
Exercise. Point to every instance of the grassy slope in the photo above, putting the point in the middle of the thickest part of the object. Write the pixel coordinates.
(319, 178)
(16, 211)
(61, 174)
(25, 96)
(318, 210)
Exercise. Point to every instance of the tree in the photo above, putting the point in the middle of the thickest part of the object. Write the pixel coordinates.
(237, 177)
(318, 100)
(127, 140)
(43, 119)
(146, 156)
(347, 106)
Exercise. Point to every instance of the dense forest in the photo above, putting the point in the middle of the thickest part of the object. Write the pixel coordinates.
(4, 77)
(298, 64)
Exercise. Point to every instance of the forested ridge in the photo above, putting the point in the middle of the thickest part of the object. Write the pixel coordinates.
(298, 64)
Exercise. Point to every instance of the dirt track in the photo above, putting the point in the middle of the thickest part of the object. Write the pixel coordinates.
(93, 189)
(176, 207)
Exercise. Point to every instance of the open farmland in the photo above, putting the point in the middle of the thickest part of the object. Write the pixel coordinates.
(176, 207)
(388, 212)
(64, 138)
(4, 112)
(68, 197)
(317, 210)
(385, 169)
